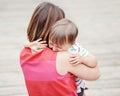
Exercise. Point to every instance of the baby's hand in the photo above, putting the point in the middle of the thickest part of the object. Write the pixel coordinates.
(75, 59)
(36, 46)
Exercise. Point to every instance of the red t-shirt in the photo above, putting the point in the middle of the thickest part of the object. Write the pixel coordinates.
(41, 76)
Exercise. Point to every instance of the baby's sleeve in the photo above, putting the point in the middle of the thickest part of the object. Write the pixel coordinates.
(78, 49)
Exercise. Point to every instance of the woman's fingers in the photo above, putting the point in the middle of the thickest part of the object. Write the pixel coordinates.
(74, 59)
(73, 56)
(75, 62)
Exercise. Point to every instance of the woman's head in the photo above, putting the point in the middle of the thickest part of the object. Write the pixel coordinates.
(44, 16)
(63, 35)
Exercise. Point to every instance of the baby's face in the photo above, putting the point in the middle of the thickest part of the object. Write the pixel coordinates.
(55, 47)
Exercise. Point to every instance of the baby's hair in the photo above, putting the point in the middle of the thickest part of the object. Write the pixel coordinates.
(62, 32)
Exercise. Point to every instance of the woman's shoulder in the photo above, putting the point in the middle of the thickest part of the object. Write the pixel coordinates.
(63, 57)
(62, 62)
(27, 51)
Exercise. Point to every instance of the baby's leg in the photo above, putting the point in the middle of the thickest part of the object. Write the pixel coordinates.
(81, 93)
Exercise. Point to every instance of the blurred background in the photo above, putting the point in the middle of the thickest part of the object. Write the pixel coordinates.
(98, 22)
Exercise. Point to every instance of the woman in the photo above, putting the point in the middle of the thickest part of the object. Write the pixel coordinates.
(48, 72)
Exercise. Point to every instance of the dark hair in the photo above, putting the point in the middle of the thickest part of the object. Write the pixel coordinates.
(44, 16)
(63, 31)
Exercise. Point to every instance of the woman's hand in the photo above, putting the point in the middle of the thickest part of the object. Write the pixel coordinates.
(89, 61)
(36, 46)
(75, 59)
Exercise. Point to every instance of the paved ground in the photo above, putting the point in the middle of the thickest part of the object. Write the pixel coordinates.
(99, 26)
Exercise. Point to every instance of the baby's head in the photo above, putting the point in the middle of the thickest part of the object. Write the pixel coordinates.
(63, 35)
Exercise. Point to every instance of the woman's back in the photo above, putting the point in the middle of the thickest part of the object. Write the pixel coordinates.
(41, 76)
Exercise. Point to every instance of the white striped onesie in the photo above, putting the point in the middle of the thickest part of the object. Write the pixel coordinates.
(77, 49)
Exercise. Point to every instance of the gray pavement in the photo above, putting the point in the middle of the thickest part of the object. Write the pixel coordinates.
(99, 32)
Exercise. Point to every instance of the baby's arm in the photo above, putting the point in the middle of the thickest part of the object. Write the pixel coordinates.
(82, 56)
(36, 46)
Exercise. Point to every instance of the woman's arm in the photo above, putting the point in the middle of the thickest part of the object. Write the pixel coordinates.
(85, 73)
(89, 61)
(81, 55)
(79, 70)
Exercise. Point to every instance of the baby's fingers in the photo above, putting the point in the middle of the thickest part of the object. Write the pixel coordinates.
(41, 46)
(42, 42)
(38, 40)
(36, 51)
